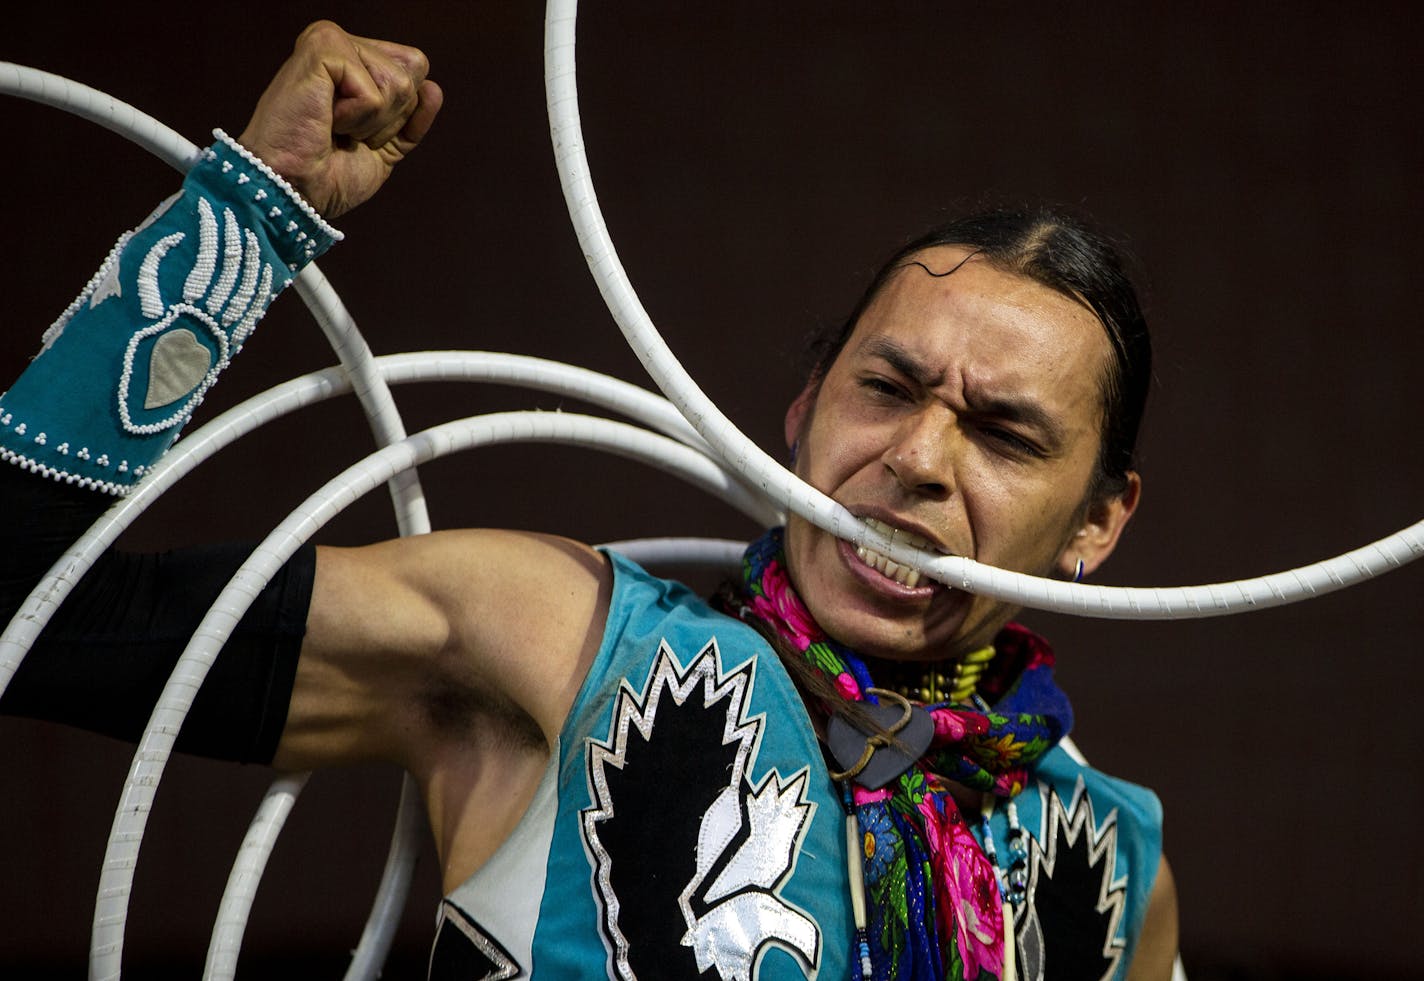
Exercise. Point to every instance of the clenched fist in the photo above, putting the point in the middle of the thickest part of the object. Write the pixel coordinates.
(341, 112)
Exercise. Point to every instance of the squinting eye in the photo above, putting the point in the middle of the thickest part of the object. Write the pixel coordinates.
(880, 386)
(1012, 441)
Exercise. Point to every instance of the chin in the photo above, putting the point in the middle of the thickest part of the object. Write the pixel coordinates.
(884, 640)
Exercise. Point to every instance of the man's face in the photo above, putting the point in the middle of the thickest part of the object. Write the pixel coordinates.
(965, 409)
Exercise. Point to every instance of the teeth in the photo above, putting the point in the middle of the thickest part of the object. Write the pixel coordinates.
(902, 574)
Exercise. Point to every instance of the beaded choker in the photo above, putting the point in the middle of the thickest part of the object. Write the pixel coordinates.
(934, 685)
(928, 902)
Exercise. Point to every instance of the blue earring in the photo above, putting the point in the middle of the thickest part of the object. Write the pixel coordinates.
(1078, 572)
(795, 444)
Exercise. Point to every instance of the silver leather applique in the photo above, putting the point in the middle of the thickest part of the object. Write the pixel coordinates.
(748, 839)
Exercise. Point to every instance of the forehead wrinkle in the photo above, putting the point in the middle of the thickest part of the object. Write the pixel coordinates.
(1024, 410)
(977, 393)
(900, 358)
(1107, 376)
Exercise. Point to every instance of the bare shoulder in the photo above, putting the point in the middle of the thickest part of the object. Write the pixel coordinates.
(526, 610)
(464, 570)
(413, 640)
(516, 612)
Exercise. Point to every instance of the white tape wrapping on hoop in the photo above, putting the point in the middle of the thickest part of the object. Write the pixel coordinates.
(156, 745)
(1100, 601)
(761, 470)
(711, 553)
(411, 517)
(246, 873)
(564, 380)
(473, 366)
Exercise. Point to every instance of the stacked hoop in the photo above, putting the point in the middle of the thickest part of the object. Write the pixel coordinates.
(684, 434)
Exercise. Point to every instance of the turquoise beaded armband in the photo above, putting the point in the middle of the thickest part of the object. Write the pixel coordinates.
(122, 369)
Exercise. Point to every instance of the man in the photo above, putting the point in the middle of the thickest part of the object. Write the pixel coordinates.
(618, 778)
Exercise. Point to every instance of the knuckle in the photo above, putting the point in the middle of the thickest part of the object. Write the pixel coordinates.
(395, 83)
(403, 91)
(320, 33)
(417, 65)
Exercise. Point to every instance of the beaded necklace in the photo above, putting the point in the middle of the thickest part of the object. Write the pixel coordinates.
(928, 901)
(933, 686)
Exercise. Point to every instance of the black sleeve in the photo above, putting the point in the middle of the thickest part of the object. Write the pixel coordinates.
(102, 661)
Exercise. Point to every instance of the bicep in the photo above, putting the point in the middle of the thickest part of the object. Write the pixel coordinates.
(402, 630)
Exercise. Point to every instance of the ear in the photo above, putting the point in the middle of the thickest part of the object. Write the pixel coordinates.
(1103, 523)
(798, 416)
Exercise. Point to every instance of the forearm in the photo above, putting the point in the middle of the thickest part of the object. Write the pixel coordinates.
(122, 370)
(118, 376)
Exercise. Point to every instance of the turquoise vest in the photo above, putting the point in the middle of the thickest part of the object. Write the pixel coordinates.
(686, 824)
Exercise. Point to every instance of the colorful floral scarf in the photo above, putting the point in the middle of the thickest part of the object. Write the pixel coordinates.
(935, 907)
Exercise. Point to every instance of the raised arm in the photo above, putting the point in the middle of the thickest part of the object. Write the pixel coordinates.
(411, 642)
(456, 655)
(123, 368)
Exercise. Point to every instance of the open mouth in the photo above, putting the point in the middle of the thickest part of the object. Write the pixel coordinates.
(901, 574)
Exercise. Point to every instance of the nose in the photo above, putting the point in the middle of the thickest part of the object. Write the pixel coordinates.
(921, 456)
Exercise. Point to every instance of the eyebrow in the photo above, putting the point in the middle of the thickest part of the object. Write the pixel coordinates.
(1025, 411)
(900, 359)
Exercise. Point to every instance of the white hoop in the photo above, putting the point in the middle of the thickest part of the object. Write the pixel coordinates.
(565, 380)
(761, 470)
(160, 734)
(375, 400)
(246, 874)
(743, 457)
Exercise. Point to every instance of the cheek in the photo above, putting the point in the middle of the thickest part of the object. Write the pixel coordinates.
(1013, 521)
(827, 457)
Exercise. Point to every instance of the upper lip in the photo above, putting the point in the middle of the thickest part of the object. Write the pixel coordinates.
(898, 521)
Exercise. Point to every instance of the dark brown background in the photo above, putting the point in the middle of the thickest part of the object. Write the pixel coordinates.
(755, 162)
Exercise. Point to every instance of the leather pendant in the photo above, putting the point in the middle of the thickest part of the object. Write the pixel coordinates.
(887, 761)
